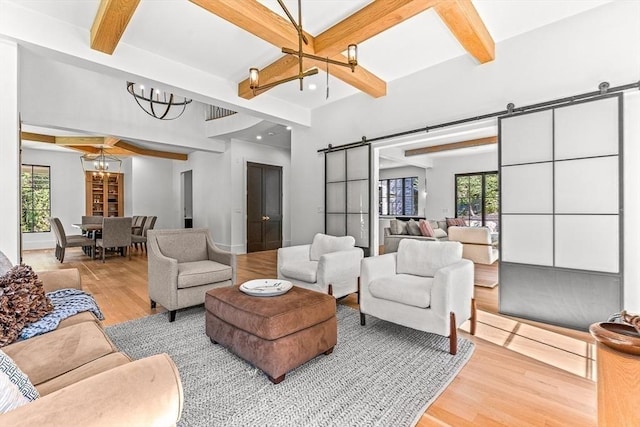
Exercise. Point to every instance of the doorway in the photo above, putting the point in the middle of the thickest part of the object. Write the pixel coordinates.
(264, 207)
(187, 198)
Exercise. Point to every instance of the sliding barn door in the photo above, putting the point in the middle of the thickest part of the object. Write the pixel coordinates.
(347, 198)
(561, 213)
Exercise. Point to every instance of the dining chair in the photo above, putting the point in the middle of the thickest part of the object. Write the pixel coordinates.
(86, 219)
(138, 224)
(116, 233)
(149, 223)
(64, 241)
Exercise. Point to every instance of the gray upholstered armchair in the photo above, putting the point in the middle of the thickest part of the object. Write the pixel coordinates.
(183, 265)
(330, 265)
(426, 286)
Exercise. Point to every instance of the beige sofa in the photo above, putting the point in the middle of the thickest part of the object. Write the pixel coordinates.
(84, 380)
(476, 242)
(398, 231)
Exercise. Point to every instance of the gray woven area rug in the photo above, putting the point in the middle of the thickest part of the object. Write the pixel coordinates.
(380, 374)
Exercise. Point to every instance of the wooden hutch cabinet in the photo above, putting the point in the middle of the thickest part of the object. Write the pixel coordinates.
(105, 194)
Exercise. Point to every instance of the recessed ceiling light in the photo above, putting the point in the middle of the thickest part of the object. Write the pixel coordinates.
(258, 136)
(288, 127)
(312, 86)
(271, 133)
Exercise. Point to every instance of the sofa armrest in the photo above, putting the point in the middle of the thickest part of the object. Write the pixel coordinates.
(60, 279)
(339, 266)
(146, 392)
(162, 275)
(453, 290)
(292, 254)
(216, 254)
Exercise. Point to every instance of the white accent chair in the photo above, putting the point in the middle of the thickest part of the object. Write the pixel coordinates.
(425, 286)
(330, 265)
(476, 244)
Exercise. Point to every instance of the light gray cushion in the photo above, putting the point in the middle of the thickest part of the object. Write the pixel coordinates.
(325, 244)
(414, 228)
(442, 224)
(406, 289)
(301, 270)
(186, 247)
(433, 223)
(198, 273)
(439, 233)
(398, 227)
(9, 368)
(424, 258)
(10, 396)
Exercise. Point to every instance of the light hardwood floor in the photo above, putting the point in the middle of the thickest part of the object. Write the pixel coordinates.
(521, 374)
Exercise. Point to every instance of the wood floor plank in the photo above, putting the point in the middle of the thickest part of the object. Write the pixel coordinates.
(534, 386)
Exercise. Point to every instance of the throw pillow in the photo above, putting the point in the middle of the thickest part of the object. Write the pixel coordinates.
(324, 244)
(22, 301)
(425, 228)
(9, 368)
(439, 233)
(460, 222)
(413, 228)
(451, 221)
(398, 227)
(425, 257)
(10, 396)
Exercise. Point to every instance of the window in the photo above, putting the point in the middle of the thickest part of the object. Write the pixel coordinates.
(36, 198)
(398, 196)
(477, 199)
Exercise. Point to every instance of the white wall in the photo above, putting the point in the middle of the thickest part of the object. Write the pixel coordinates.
(151, 182)
(9, 150)
(561, 59)
(565, 58)
(441, 180)
(63, 96)
(67, 193)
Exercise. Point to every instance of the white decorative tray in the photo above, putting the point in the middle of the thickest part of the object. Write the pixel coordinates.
(265, 287)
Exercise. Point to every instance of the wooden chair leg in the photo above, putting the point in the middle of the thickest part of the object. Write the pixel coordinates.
(453, 334)
(474, 316)
(128, 249)
(172, 315)
(62, 255)
(103, 251)
(358, 294)
(153, 304)
(330, 290)
(362, 319)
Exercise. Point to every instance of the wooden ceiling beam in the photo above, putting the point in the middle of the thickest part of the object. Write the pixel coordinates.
(466, 25)
(110, 141)
(453, 146)
(110, 23)
(152, 153)
(258, 20)
(29, 136)
(79, 140)
(369, 21)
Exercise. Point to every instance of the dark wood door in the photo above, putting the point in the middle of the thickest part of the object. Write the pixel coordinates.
(264, 207)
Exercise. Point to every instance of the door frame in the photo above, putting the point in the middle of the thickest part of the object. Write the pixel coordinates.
(285, 198)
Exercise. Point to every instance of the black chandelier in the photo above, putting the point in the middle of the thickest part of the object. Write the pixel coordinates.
(254, 73)
(158, 104)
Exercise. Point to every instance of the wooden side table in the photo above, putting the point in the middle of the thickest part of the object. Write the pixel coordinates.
(618, 384)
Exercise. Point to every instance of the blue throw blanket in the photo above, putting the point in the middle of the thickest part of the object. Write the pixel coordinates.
(66, 303)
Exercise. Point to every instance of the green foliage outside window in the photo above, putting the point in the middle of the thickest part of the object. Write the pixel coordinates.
(477, 199)
(36, 198)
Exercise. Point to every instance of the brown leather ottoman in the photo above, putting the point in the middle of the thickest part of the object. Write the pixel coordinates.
(275, 334)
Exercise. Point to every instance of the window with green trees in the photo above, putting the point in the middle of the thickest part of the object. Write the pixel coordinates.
(477, 199)
(36, 198)
(398, 196)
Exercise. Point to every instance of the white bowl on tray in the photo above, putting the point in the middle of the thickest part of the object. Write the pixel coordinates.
(266, 287)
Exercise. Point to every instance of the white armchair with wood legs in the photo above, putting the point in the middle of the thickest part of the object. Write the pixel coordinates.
(330, 265)
(425, 286)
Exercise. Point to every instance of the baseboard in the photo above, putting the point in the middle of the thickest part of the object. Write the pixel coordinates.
(38, 244)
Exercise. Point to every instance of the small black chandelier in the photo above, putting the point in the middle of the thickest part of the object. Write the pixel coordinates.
(158, 104)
